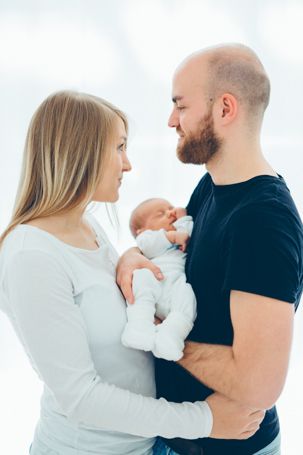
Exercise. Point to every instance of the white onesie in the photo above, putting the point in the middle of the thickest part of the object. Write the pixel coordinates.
(172, 299)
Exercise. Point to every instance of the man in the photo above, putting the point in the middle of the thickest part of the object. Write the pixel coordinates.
(245, 256)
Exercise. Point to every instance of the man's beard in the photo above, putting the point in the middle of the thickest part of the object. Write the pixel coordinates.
(201, 146)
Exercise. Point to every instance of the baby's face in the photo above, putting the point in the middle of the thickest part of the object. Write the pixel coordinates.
(158, 215)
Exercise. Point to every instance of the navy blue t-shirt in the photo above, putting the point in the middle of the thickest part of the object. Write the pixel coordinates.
(247, 237)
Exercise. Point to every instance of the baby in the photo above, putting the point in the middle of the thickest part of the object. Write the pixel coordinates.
(162, 233)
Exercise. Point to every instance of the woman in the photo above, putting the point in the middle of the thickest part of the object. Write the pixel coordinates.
(58, 288)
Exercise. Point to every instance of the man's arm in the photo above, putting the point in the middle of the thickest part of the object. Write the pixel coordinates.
(253, 371)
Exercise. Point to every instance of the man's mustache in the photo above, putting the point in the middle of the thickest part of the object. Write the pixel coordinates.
(180, 131)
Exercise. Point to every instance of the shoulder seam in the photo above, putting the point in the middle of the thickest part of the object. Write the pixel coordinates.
(40, 251)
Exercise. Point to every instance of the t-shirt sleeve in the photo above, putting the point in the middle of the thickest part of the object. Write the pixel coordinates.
(262, 254)
(54, 332)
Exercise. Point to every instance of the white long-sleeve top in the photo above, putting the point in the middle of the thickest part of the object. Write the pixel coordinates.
(69, 314)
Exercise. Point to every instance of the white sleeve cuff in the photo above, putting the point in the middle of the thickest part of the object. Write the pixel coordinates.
(153, 243)
(184, 224)
(208, 419)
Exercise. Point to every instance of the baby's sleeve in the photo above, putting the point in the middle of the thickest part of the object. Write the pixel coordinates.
(184, 224)
(153, 243)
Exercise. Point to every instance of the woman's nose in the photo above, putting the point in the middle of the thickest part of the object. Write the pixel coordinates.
(126, 165)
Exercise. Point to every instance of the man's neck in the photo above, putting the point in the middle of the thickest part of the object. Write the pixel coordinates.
(236, 166)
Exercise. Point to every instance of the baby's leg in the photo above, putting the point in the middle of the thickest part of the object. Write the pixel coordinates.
(174, 329)
(140, 330)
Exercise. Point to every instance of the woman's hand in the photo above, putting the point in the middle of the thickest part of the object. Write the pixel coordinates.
(232, 420)
(131, 260)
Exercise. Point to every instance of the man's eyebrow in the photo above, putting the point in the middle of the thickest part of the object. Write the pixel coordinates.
(177, 98)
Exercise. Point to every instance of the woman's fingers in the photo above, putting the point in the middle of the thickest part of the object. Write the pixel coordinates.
(130, 261)
(254, 426)
(247, 434)
(147, 264)
(232, 420)
(257, 416)
(126, 286)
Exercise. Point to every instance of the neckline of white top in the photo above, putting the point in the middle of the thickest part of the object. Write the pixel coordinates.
(98, 239)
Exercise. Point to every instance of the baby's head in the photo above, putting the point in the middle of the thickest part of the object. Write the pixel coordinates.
(153, 214)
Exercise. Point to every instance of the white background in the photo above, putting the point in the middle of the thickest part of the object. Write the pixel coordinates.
(126, 52)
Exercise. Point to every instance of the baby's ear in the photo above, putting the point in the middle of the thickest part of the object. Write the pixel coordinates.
(140, 230)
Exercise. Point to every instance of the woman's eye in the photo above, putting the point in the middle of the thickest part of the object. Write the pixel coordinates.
(121, 147)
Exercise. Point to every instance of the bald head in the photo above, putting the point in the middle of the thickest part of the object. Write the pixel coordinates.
(234, 69)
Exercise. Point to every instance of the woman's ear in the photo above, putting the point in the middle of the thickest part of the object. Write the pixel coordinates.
(226, 109)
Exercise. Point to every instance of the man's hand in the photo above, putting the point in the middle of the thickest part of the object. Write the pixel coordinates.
(131, 260)
(232, 420)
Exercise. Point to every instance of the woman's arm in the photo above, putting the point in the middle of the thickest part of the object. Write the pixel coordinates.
(55, 334)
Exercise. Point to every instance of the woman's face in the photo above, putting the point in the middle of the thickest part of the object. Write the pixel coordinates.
(107, 191)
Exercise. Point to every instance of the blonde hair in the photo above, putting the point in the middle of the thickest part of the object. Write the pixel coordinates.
(69, 140)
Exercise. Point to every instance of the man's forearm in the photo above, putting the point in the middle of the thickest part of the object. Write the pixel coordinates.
(216, 367)
(253, 371)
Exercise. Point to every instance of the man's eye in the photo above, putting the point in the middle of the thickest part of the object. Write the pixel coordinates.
(180, 108)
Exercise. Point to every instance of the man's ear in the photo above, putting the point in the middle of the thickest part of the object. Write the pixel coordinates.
(226, 109)
(140, 230)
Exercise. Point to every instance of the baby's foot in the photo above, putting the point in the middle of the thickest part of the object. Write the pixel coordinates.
(139, 334)
(168, 343)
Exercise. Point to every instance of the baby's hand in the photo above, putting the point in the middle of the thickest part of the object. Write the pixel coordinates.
(182, 239)
(179, 212)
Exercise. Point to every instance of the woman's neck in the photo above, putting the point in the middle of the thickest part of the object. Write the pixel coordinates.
(70, 221)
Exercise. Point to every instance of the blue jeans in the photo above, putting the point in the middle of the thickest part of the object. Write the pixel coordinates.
(161, 449)
(274, 448)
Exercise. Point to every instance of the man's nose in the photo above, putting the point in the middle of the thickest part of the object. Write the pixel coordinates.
(173, 121)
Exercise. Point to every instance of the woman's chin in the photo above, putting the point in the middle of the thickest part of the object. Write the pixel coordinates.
(110, 200)
(115, 198)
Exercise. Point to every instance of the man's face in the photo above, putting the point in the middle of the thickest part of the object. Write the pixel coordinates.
(192, 118)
